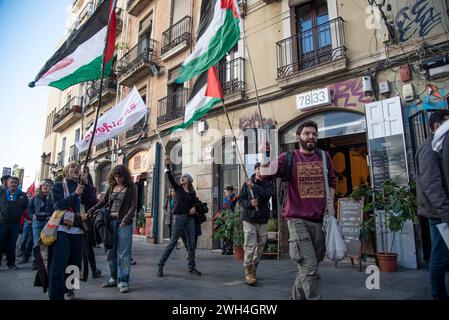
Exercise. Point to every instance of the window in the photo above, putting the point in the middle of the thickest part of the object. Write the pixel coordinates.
(313, 29)
(179, 9)
(175, 91)
(77, 135)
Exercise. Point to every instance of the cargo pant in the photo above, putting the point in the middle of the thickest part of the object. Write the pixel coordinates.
(255, 238)
(307, 249)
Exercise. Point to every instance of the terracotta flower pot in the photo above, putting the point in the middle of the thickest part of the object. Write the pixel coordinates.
(387, 261)
(239, 253)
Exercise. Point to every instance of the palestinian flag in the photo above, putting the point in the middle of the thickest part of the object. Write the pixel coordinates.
(205, 94)
(218, 33)
(80, 57)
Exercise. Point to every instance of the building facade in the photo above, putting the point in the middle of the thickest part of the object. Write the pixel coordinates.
(350, 66)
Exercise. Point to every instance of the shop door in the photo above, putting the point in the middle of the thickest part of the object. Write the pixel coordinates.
(384, 119)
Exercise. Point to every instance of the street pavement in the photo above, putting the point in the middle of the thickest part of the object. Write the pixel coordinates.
(222, 279)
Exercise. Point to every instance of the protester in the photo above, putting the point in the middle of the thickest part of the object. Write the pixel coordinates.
(256, 211)
(68, 195)
(169, 206)
(25, 242)
(229, 203)
(41, 208)
(121, 199)
(183, 220)
(432, 197)
(13, 203)
(4, 180)
(89, 239)
(305, 206)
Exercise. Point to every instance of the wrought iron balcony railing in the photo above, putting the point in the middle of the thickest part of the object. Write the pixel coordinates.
(145, 50)
(73, 153)
(172, 107)
(318, 45)
(73, 106)
(232, 76)
(178, 33)
(102, 146)
(94, 90)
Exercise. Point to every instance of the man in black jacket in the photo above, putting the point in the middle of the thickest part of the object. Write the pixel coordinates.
(433, 202)
(256, 211)
(13, 203)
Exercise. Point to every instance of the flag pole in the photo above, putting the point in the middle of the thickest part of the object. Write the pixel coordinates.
(110, 12)
(160, 140)
(238, 149)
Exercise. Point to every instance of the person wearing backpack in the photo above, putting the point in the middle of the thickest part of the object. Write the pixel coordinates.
(306, 201)
(121, 197)
(255, 214)
(183, 219)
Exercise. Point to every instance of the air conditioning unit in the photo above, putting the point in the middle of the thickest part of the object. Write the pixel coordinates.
(434, 62)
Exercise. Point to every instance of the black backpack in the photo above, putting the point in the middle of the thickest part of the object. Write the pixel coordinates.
(201, 210)
(103, 231)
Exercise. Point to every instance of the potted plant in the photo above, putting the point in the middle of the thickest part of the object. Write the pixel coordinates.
(140, 224)
(229, 226)
(271, 250)
(272, 229)
(391, 205)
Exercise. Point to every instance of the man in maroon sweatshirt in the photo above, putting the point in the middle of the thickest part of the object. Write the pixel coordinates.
(304, 206)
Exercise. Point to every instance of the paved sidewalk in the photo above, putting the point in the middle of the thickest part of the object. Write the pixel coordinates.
(222, 279)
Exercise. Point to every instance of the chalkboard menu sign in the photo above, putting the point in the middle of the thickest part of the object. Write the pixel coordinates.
(388, 160)
(350, 216)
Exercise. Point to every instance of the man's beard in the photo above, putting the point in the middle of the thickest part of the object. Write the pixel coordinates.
(307, 145)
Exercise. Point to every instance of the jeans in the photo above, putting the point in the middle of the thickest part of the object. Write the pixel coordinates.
(181, 224)
(255, 238)
(307, 249)
(439, 262)
(26, 243)
(37, 228)
(119, 257)
(65, 251)
(9, 232)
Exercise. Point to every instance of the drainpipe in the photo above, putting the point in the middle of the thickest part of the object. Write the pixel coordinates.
(156, 195)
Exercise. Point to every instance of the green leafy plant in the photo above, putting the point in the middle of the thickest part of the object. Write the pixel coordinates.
(140, 221)
(229, 227)
(271, 248)
(392, 203)
(272, 225)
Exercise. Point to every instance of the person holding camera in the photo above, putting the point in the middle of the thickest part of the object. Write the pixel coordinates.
(183, 219)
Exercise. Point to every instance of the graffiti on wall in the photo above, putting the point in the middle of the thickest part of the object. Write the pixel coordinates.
(418, 19)
(348, 94)
(252, 120)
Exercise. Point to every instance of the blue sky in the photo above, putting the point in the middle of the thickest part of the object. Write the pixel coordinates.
(30, 32)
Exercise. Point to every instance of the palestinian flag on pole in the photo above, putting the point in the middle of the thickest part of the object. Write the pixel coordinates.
(80, 57)
(218, 33)
(205, 94)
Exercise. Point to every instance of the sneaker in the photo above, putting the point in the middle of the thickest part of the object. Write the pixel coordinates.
(110, 284)
(24, 260)
(96, 274)
(160, 272)
(228, 253)
(133, 262)
(13, 267)
(195, 272)
(123, 287)
(69, 295)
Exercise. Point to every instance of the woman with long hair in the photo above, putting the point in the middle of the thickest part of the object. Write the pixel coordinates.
(68, 195)
(121, 198)
(41, 209)
(183, 220)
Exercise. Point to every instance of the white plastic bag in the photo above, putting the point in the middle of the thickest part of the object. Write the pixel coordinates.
(335, 243)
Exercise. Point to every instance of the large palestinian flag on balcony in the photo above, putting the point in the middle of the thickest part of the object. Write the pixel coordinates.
(80, 57)
(218, 33)
(205, 94)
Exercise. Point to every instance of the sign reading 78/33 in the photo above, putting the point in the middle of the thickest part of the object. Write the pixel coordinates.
(313, 98)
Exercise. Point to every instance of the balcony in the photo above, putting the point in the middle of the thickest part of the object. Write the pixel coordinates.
(68, 115)
(60, 160)
(135, 7)
(138, 62)
(177, 38)
(87, 11)
(73, 153)
(135, 131)
(93, 91)
(103, 147)
(172, 107)
(314, 53)
(232, 78)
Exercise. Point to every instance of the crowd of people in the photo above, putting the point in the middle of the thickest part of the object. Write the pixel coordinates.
(309, 183)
